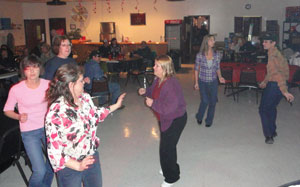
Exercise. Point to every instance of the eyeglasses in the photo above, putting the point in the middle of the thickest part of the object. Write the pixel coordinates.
(66, 45)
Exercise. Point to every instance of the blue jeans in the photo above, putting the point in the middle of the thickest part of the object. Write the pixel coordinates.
(42, 173)
(114, 89)
(90, 177)
(209, 97)
(271, 97)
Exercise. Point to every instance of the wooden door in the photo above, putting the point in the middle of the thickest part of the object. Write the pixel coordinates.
(35, 32)
(58, 25)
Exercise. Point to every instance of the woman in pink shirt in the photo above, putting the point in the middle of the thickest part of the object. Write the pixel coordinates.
(29, 97)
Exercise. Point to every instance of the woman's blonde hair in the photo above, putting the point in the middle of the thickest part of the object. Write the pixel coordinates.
(204, 45)
(167, 66)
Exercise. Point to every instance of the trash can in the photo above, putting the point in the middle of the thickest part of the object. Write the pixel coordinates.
(175, 55)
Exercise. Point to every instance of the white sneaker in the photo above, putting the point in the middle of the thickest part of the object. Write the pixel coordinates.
(161, 172)
(165, 184)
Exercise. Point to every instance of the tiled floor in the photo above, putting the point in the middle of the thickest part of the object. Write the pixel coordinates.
(231, 153)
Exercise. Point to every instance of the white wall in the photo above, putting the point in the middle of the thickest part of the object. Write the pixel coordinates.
(14, 11)
(221, 13)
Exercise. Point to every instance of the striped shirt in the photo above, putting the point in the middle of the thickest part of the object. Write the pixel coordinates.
(207, 73)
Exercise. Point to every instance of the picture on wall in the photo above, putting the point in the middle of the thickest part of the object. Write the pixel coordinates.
(72, 26)
(138, 19)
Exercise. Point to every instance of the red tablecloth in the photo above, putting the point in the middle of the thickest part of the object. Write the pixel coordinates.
(260, 68)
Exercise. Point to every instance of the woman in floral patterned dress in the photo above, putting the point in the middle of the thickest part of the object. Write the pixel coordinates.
(71, 125)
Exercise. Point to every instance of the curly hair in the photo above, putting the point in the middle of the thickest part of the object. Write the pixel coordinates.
(59, 86)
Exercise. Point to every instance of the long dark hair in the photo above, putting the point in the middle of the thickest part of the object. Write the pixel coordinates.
(59, 86)
(204, 46)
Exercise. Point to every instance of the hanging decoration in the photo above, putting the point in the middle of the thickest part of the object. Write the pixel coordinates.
(154, 5)
(95, 7)
(79, 3)
(137, 6)
(122, 5)
(108, 6)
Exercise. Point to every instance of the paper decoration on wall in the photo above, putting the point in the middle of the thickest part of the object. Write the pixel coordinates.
(137, 6)
(79, 13)
(122, 5)
(154, 5)
(95, 7)
(108, 6)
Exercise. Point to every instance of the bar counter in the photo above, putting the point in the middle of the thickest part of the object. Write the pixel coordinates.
(83, 49)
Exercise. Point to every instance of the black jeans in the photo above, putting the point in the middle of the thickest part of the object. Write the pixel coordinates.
(168, 151)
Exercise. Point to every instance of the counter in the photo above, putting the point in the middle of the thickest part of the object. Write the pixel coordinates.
(83, 49)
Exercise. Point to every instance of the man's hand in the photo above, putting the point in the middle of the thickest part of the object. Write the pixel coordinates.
(289, 97)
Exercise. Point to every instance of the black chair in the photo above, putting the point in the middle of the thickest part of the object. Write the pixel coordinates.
(113, 71)
(137, 68)
(11, 147)
(296, 80)
(100, 89)
(227, 72)
(248, 81)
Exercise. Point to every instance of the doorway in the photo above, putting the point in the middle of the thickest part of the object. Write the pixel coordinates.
(193, 31)
(35, 33)
(57, 26)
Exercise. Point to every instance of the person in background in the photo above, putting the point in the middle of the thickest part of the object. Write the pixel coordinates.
(165, 98)
(105, 49)
(115, 48)
(6, 60)
(145, 52)
(275, 87)
(46, 53)
(29, 96)
(207, 70)
(64, 49)
(9, 51)
(93, 71)
(71, 125)
(37, 50)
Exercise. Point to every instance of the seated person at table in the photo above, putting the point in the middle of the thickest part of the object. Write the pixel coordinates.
(145, 52)
(93, 71)
(10, 52)
(105, 49)
(6, 61)
(115, 48)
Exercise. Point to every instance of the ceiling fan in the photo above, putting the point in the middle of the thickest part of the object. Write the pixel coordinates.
(56, 2)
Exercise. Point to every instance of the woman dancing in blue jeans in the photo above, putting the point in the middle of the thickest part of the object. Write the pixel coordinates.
(29, 95)
(207, 69)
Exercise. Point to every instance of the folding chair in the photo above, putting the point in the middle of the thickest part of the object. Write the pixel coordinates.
(11, 147)
(100, 89)
(248, 81)
(226, 72)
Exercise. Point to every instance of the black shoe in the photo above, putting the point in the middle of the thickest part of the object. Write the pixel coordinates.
(199, 122)
(208, 125)
(275, 134)
(269, 140)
